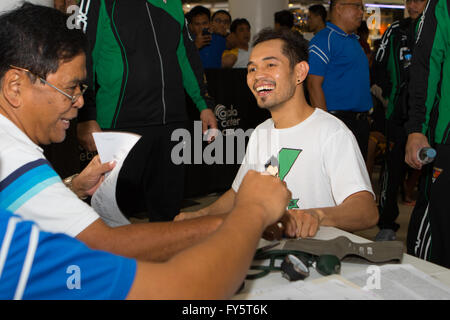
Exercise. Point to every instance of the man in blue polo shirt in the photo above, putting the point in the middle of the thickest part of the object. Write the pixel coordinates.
(338, 80)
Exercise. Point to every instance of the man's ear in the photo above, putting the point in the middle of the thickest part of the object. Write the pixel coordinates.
(301, 71)
(12, 87)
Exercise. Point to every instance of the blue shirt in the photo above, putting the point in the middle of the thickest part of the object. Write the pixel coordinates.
(211, 54)
(40, 265)
(340, 60)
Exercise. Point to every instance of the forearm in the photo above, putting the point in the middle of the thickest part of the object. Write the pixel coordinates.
(156, 241)
(213, 269)
(223, 205)
(358, 212)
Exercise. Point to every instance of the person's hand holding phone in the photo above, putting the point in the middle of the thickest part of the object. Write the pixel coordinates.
(203, 39)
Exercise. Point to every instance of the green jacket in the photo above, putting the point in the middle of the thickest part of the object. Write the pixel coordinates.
(390, 69)
(430, 89)
(141, 61)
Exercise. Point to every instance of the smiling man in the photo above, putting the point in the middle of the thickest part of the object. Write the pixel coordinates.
(317, 155)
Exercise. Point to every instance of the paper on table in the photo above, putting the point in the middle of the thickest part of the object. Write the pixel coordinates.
(332, 287)
(403, 282)
(111, 146)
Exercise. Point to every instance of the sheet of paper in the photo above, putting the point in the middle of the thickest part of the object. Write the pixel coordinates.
(328, 288)
(114, 145)
(111, 146)
(401, 282)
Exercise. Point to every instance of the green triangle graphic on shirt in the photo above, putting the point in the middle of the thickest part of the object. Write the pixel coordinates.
(286, 159)
(293, 204)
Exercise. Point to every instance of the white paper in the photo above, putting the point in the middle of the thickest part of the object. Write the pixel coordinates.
(328, 288)
(404, 282)
(111, 146)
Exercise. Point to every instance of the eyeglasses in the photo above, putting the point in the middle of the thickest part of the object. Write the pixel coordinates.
(356, 5)
(220, 21)
(73, 99)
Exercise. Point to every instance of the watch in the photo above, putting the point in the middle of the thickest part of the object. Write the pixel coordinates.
(68, 183)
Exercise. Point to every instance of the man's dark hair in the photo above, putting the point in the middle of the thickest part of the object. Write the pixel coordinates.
(37, 38)
(319, 10)
(295, 47)
(221, 11)
(237, 22)
(198, 11)
(284, 18)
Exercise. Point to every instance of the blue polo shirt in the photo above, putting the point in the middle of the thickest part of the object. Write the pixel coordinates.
(40, 265)
(340, 60)
(211, 55)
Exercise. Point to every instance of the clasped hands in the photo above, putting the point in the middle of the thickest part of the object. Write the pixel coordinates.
(295, 223)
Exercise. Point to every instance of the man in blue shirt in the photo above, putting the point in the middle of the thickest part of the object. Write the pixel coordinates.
(210, 45)
(338, 80)
(42, 265)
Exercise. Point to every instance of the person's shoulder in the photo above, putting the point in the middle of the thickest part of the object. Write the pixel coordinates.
(268, 124)
(233, 51)
(321, 36)
(394, 27)
(15, 151)
(328, 123)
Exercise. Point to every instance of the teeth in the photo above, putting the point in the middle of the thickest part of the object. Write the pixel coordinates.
(265, 88)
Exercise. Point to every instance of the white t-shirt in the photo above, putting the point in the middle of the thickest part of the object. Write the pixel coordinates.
(242, 58)
(6, 5)
(31, 188)
(319, 159)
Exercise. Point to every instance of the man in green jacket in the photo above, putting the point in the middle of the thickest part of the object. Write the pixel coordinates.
(428, 124)
(390, 73)
(142, 59)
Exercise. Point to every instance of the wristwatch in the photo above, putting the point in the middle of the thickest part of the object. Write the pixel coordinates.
(68, 183)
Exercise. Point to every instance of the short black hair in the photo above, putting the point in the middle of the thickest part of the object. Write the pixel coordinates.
(37, 38)
(237, 22)
(295, 46)
(197, 11)
(284, 18)
(319, 10)
(221, 11)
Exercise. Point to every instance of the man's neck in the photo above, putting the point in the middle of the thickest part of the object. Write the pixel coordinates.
(243, 46)
(291, 113)
(342, 26)
(320, 28)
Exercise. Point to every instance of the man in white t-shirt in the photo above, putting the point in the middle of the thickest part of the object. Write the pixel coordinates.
(317, 155)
